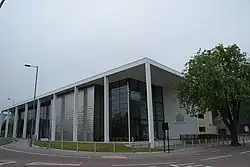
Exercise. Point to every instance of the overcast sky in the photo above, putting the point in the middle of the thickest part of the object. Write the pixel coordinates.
(73, 39)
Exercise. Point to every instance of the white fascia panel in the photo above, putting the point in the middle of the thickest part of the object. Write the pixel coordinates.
(99, 76)
(84, 81)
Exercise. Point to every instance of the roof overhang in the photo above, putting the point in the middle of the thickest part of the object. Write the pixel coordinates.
(101, 76)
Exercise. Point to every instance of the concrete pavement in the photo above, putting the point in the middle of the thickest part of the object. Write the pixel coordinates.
(23, 146)
(4, 141)
(210, 157)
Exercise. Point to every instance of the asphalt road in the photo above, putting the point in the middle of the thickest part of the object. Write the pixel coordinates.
(212, 157)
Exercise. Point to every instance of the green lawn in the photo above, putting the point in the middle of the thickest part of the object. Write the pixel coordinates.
(90, 147)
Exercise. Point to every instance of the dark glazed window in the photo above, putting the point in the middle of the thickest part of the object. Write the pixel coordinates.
(20, 123)
(44, 123)
(139, 113)
(202, 129)
(158, 111)
(201, 116)
(99, 113)
(138, 110)
(119, 111)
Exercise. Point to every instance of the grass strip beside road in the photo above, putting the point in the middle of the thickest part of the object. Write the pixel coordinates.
(90, 146)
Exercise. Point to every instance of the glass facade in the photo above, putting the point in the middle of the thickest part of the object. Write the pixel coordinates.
(31, 119)
(118, 111)
(99, 113)
(158, 111)
(64, 117)
(138, 110)
(45, 122)
(20, 123)
(127, 111)
(133, 92)
(11, 123)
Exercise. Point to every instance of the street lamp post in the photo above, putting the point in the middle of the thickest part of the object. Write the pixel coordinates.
(34, 99)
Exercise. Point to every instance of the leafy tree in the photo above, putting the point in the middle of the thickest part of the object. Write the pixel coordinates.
(216, 80)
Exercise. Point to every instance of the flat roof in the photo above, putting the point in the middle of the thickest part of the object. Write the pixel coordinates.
(101, 75)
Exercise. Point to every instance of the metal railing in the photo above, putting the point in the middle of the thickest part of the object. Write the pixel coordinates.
(140, 146)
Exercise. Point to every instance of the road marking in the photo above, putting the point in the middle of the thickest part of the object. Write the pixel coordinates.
(215, 151)
(114, 157)
(51, 155)
(50, 164)
(186, 164)
(179, 165)
(213, 158)
(152, 164)
(6, 163)
(245, 152)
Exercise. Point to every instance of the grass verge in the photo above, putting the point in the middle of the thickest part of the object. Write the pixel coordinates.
(93, 147)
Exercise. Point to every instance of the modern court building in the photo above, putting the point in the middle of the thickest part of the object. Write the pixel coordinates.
(127, 102)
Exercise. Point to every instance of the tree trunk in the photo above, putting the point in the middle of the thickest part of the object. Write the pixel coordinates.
(234, 137)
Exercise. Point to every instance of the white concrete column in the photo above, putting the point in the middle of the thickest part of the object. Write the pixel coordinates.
(53, 118)
(149, 105)
(75, 114)
(106, 109)
(128, 101)
(38, 118)
(25, 120)
(15, 122)
(7, 124)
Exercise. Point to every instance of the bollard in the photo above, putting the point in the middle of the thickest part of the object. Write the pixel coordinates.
(149, 147)
(49, 144)
(200, 142)
(133, 145)
(175, 147)
(114, 148)
(77, 146)
(206, 141)
(184, 144)
(192, 143)
(61, 144)
(94, 147)
(244, 141)
(217, 141)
